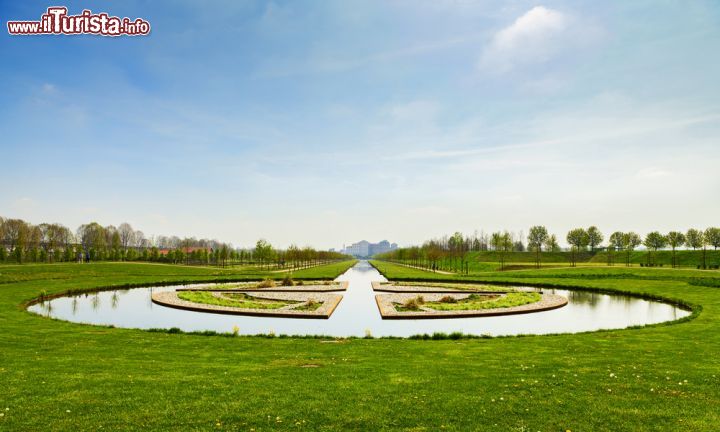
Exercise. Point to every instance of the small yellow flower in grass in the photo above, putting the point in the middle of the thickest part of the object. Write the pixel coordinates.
(236, 330)
(67, 411)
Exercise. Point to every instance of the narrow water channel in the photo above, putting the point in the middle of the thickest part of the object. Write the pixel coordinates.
(358, 314)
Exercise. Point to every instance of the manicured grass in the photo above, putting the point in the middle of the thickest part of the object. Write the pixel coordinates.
(238, 300)
(477, 302)
(489, 261)
(63, 376)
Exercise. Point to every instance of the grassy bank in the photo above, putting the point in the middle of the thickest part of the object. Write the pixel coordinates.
(63, 376)
(484, 261)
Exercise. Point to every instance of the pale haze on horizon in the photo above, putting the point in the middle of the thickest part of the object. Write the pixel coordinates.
(325, 123)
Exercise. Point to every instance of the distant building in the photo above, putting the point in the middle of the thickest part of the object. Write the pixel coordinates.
(365, 249)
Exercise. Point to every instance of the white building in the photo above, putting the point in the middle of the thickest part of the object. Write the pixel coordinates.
(365, 249)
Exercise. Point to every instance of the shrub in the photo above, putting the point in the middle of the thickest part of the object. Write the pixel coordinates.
(448, 299)
(299, 283)
(287, 281)
(414, 303)
(267, 283)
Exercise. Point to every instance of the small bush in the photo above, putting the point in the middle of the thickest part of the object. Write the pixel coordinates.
(287, 281)
(299, 283)
(267, 283)
(414, 303)
(448, 299)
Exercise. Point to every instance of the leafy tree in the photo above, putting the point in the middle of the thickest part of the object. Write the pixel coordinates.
(502, 243)
(537, 236)
(675, 240)
(15, 236)
(578, 240)
(631, 240)
(615, 243)
(93, 238)
(654, 241)
(595, 237)
(551, 244)
(263, 251)
(713, 237)
(696, 239)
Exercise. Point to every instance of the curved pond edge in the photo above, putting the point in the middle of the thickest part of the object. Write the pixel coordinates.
(694, 309)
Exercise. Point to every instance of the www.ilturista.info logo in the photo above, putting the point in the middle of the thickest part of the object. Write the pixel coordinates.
(57, 21)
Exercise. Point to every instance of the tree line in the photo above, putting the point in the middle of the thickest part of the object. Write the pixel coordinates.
(21, 242)
(451, 252)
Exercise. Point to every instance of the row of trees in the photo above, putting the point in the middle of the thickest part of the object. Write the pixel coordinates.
(21, 242)
(580, 239)
(451, 252)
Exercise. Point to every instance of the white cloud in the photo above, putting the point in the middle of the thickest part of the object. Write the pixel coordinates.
(532, 38)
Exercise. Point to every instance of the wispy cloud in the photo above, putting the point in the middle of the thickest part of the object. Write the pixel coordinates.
(623, 129)
(341, 62)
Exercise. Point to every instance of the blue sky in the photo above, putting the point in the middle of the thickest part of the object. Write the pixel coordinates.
(323, 123)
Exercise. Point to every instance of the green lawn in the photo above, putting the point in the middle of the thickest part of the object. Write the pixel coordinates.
(477, 302)
(238, 300)
(487, 261)
(63, 376)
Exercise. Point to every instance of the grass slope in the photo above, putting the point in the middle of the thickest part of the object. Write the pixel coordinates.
(63, 376)
(485, 261)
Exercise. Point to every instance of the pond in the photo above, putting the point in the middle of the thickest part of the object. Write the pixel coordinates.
(358, 313)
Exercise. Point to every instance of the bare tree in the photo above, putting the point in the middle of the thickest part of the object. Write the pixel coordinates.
(126, 236)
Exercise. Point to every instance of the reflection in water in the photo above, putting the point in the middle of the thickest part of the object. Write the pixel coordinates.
(584, 297)
(95, 301)
(358, 313)
(46, 308)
